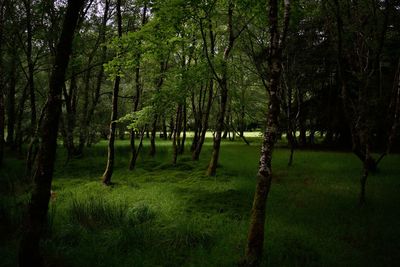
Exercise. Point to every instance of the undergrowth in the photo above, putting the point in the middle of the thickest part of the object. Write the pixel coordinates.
(162, 214)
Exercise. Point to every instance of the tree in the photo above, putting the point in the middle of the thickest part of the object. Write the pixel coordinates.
(255, 239)
(2, 108)
(89, 105)
(138, 87)
(29, 253)
(222, 80)
(114, 113)
(359, 55)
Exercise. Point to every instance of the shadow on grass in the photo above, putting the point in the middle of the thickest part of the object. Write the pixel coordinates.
(232, 203)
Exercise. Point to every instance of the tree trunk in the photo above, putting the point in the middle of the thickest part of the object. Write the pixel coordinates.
(164, 129)
(2, 110)
(70, 116)
(223, 84)
(212, 167)
(184, 122)
(2, 120)
(18, 129)
(255, 240)
(138, 86)
(153, 134)
(11, 102)
(196, 125)
(114, 113)
(202, 135)
(364, 176)
(176, 135)
(134, 151)
(29, 252)
(31, 66)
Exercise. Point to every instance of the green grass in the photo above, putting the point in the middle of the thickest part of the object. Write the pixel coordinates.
(165, 215)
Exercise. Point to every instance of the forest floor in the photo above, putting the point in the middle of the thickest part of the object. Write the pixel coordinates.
(165, 215)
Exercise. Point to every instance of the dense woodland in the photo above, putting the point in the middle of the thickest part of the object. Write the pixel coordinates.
(181, 82)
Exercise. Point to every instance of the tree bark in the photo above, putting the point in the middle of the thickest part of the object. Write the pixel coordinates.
(11, 102)
(255, 240)
(138, 86)
(177, 133)
(31, 66)
(202, 135)
(184, 123)
(2, 110)
(223, 84)
(153, 134)
(212, 167)
(70, 97)
(134, 151)
(203, 115)
(29, 252)
(114, 113)
(18, 129)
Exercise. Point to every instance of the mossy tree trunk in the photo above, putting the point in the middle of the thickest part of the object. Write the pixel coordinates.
(29, 252)
(255, 241)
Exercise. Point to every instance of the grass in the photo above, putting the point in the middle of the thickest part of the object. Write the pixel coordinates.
(166, 215)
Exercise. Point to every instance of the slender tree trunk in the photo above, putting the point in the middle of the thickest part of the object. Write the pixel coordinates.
(114, 113)
(202, 136)
(159, 83)
(364, 176)
(302, 127)
(212, 167)
(31, 66)
(153, 134)
(132, 161)
(2, 120)
(2, 110)
(204, 116)
(29, 251)
(70, 116)
(164, 129)
(223, 84)
(85, 109)
(18, 129)
(176, 135)
(184, 123)
(11, 102)
(255, 242)
(196, 115)
(32, 148)
(134, 151)
(138, 86)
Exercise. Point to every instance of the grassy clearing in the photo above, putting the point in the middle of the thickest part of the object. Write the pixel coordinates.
(165, 215)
